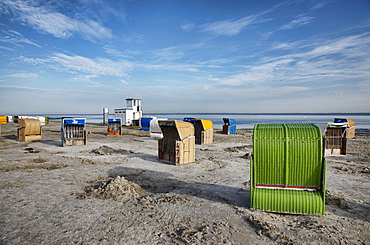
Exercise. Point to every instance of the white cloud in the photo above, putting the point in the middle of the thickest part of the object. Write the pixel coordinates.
(15, 37)
(113, 51)
(48, 21)
(300, 21)
(86, 78)
(346, 46)
(232, 27)
(187, 26)
(133, 37)
(16, 88)
(170, 53)
(90, 83)
(206, 87)
(169, 67)
(259, 74)
(211, 78)
(23, 75)
(96, 85)
(100, 66)
(292, 45)
(328, 65)
(76, 63)
(319, 6)
(6, 48)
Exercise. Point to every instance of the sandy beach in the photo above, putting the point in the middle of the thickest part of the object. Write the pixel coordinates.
(114, 190)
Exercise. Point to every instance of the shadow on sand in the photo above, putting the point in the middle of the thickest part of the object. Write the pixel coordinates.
(159, 182)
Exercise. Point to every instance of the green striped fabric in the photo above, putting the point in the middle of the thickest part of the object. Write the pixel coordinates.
(288, 169)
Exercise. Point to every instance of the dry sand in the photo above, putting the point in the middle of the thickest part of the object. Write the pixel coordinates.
(115, 191)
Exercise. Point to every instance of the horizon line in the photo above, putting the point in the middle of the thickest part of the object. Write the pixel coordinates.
(212, 113)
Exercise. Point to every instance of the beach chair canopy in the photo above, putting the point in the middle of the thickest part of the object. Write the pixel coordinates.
(3, 119)
(155, 130)
(203, 123)
(174, 128)
(348, 122)
(30, 126)
(114, 120)
(29, 130)
(229, 121)
(145, 123)
(74, 121)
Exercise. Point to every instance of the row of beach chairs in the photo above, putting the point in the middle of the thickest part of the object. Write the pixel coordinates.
(287, 167)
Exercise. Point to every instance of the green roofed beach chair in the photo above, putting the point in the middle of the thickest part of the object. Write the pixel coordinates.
(288, 169)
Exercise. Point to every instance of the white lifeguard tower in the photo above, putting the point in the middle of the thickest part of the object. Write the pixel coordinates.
(131, 113)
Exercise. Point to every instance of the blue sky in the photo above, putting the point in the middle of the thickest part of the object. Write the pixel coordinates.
(185, 56)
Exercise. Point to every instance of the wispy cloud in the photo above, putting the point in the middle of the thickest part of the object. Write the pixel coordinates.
(356, 45)
(7, 48)
(319, 5)
(123, 81)
(133, 37)
(96, 85)
(23, 75)
(99, 66)
(84, 78)
(88, 79)
(170, 53)
(76, 63)
(168, 67)
(47, 20)
(327, 65)
(51, 91)
(187, 26)
(232, 27)
(259, 74)
(300, 21)
(15, 37)
(301, 44)
(115, 52)
(25, 88)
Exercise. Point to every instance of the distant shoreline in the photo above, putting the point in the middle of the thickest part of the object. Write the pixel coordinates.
(211, 113)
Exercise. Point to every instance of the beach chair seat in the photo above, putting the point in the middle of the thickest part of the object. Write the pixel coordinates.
(73, 131)
(229, 126)
(178, 142)
(114, 126)
(288, 169)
